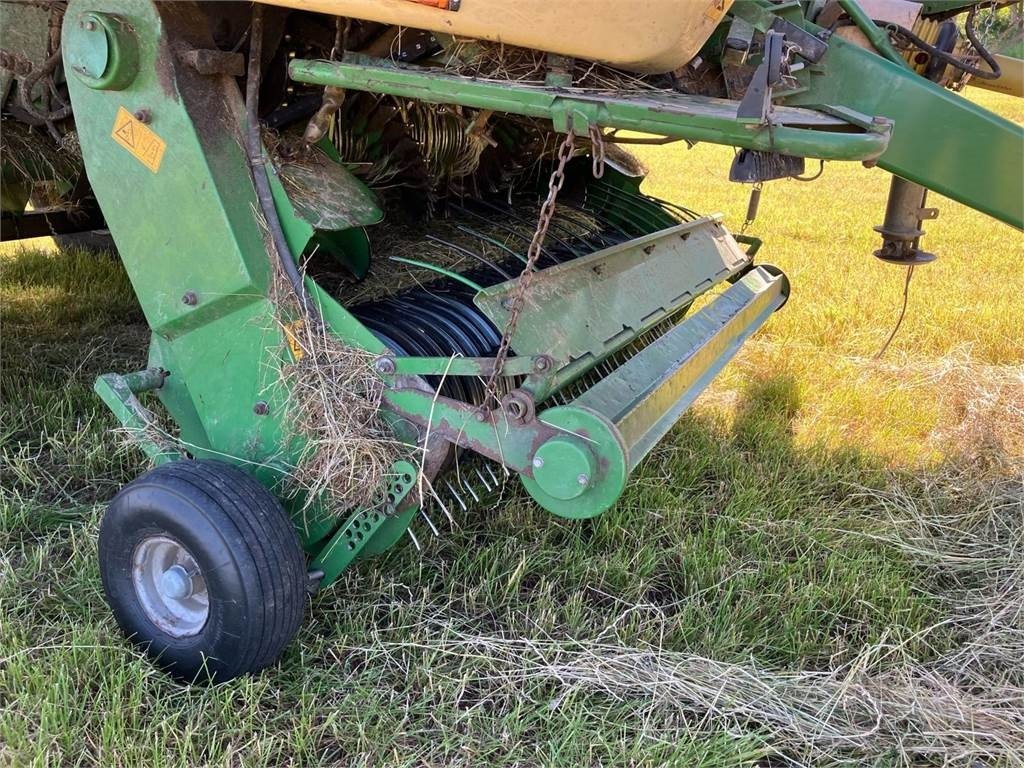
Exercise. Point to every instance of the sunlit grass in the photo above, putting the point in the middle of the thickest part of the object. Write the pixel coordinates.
(966, 306)
(778, 530)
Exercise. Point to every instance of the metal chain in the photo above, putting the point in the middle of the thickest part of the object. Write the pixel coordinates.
(597, 142)
(547, 212)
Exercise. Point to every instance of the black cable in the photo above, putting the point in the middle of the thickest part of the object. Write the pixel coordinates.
(898, 31)
(821, 170)
(982, 51)
(257, 164)
(903, 313)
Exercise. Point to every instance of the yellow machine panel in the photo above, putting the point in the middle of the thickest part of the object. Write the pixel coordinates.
(653, 36)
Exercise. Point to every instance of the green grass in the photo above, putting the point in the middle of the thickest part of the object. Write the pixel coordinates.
(773, 530)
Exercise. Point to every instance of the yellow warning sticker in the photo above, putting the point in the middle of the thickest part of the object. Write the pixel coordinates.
(716, 10)
(139, 139)
(291, 331)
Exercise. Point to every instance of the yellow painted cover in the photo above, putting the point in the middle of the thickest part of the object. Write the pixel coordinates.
(646, 36)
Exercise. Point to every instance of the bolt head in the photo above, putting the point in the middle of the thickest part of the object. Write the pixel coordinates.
(538, 462)
(384, 365)
(175, 583)
(261, 408)
(507, 303)
(143, 115)
(583, 480)
(190, 298)
(89, 26)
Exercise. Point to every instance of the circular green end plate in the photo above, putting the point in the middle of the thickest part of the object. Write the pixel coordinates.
(101, 50)
(590, 432)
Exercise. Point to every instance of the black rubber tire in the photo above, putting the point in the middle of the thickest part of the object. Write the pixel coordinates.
(246, 548)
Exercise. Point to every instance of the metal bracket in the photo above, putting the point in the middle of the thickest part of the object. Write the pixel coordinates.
(356, 532)
(119, 392)
(757, 102)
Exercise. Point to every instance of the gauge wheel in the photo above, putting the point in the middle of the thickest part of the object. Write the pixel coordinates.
(203, 569)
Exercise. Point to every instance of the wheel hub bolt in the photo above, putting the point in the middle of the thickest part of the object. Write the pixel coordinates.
(583, 480)
(175, 583)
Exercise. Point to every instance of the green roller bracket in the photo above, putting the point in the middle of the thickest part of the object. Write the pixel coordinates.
(119, 395)
(365, 525)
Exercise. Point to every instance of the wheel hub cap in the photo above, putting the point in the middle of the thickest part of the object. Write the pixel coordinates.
(170, 587)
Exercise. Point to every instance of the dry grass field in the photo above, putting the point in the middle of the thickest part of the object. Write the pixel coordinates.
(823, 564)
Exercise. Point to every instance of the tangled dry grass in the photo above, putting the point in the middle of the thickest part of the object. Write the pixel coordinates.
(333, 412)
(30, 156)
(526, 66)
(961, 706)
(988, 403)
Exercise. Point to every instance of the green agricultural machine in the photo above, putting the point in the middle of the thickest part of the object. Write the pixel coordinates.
(394, 253)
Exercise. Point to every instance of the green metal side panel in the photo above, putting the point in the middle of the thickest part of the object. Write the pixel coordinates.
(184, 220)
(596, 304)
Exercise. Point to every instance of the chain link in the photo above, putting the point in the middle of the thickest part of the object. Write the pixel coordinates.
(597, 142)
(547, 212)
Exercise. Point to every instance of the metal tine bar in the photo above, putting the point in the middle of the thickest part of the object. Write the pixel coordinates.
(430, 523)
(483, 480)
(494, 477)
(644, 201)
(510, 212)
(491, 241)
(456, 496)
(486, 262)
(500, 225)
(610, 208)
(567, 233)
(677, 212)
(467, 487)
(415, 541)
(687, 213)
(637, 215)
(595, 210)
(640, 205)
(587, 235)
(444, 509)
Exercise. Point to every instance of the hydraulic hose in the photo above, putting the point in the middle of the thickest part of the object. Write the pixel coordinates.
(257, 164)
(996, 71)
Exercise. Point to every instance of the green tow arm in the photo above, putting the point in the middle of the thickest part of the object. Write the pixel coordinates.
(939, 140)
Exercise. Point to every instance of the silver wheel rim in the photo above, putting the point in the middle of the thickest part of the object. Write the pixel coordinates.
(170, 586)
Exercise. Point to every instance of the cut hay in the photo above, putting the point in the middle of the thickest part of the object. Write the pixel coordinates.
(35, 160)
(483, 60)
(962, 706)
(334, 410)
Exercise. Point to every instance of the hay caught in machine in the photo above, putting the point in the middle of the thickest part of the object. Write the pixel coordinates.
(496, 61)
(334, 407)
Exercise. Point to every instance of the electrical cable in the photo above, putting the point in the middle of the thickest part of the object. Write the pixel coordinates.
(903, 313)
(900, 31)
(821, 170)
